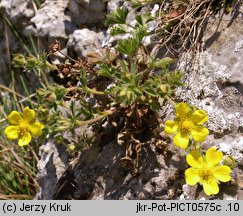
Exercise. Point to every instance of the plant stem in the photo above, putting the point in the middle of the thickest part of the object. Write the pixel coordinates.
(93, 91)
(11, 91)
(67, 56)
(170, 100)
(45, 79)
(87, 89)
(91, 121)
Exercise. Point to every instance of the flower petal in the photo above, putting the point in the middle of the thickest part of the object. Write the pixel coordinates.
(29, 114)
(211, 187)
(199, 117)
(195, 159)
(24, 139)
(12, 132)
(170, 127)
(15, 118)
(182, 110)
(213, 157)
(199, 133)
(192, 176)
(181, 141)
(222, 173)
(36, 129)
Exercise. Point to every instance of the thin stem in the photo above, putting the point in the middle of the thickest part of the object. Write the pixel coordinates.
(2, 120)
(27, 98)
(170, 100)
(5, 115)
(11, 91)
(44, 77)
(7, 43)
(67, 56)
(91, 121)
(93, 91)
(87, 89)
(33, 152)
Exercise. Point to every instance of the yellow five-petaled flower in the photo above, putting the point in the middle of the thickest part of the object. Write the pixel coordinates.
(187, 124)
(23, 126)
(206, 170)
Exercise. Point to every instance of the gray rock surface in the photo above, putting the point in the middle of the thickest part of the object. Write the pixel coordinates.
(214, 82)
(53, 162)
(19, 12)
(213, 79)
(16, 13)
(52, 21)
(87, 11)
(84, 40)
(99, 175)
(114, 4)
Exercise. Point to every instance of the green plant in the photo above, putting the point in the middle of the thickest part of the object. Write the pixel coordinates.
(127, 80)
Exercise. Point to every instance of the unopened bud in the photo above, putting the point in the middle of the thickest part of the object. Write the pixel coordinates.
(32, 61)
(229, 161)
(19, 60)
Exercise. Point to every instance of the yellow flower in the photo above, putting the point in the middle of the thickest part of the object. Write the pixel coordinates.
(23, 126)
(206, 170)
(187, 124)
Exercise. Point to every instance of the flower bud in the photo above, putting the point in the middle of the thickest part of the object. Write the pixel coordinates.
(19, 60)
(32, 61)
(164, 88)
(229, 161)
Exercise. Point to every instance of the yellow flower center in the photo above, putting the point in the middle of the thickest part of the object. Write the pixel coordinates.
(186, 126)
(23, 127)
(206, 175)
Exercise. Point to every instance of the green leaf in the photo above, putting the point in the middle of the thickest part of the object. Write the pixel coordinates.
(136, 4)
(150, 91)
(139, 34)
(143, 19)
(117, 17)
(124, 66)
(83, 77)
(60, 91)
(127, 46)
(137, 78)
(106, 71)
(174, 78)
(154, 106)
(118, 29)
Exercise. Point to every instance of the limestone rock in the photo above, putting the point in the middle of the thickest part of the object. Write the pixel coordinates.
(113, 5)
(99, 175)
(214, 81)
(51, 21)
(19, 12)
(87, 11)
(84, 40)
(53, 162)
